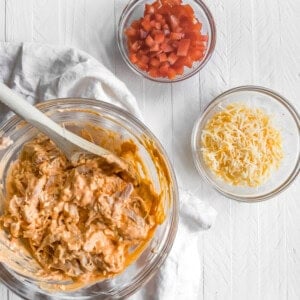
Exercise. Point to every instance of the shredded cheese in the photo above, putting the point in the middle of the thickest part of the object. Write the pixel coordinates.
(240, 145)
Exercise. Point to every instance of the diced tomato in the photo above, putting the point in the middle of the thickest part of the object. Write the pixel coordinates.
(159, 37)
(188, 62)
(153, 31)
(155, 47)
(144, 59)
(164, 68)
(193, 36)
(179, 69)
(184, 11)
(175, 44)
(162, 57)
(174, 22)
(154, 62)
(166, 27)
(172, 58)
(131, 32)
(185, 25)
(189, 10)
(176, 35)
(158, 17)
(155, 53)
(135, 24)
(149, 41)
(165, 10)
(196, 54)
(178, 29)
(158, 25)
(154, 72)
(166, 32)
(147, 17)
(202, 48)
(133, 58)
(143, 34)
(171, 73)
(183, 47)
(166, 39)
(149, 9)
(204, 38)
(196, 27)
(184, 61)
(156, 5)
(163, 22)
(199, 44)
(142, 66)
(152, 23)
(146, 25)
(179, 11)
(171, 2)
(142, 52)
(135, 46)
(166, 47)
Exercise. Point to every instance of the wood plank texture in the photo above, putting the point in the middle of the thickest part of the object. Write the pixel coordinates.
(19, 21)
(45, 27)
(73, 23)
(245, 217)
(289, 45)
(217, 247)
(186, 109)
(272, 213)
(2, 20)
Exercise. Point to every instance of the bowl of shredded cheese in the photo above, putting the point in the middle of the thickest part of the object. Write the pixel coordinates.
(246, 143)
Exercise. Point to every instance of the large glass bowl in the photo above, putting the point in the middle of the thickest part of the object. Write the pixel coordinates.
(284, 118)
(80, 112)
(135, 10)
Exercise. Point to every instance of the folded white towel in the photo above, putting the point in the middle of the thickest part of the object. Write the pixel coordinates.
(41, 72)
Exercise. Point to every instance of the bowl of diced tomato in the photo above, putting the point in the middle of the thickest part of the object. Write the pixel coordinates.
(166, 40)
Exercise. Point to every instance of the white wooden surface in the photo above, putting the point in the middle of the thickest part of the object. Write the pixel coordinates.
(253, 251)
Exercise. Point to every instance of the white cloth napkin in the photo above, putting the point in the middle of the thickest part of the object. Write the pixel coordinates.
(41, 72)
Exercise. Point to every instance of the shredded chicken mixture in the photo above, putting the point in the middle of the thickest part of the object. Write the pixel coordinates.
(75, 219)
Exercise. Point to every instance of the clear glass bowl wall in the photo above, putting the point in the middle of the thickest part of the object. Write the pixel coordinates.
(80, 112)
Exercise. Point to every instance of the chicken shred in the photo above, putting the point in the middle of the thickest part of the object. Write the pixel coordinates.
(76, 219)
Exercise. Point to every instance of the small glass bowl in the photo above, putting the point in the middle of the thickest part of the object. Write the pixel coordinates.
(79, 113)
(135, 10)
(284, 117)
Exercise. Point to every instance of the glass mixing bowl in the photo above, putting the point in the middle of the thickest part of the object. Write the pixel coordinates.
(80, 112)
(284, 118)
(135, 10)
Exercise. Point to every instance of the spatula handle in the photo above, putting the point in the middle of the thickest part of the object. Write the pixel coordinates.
(25, 110)
(67, 141)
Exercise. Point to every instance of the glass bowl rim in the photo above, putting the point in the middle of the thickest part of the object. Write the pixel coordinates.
(149, 271)
(210, 51)
(246, 88)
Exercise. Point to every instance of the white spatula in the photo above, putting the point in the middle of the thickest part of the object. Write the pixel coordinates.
(72, 145)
